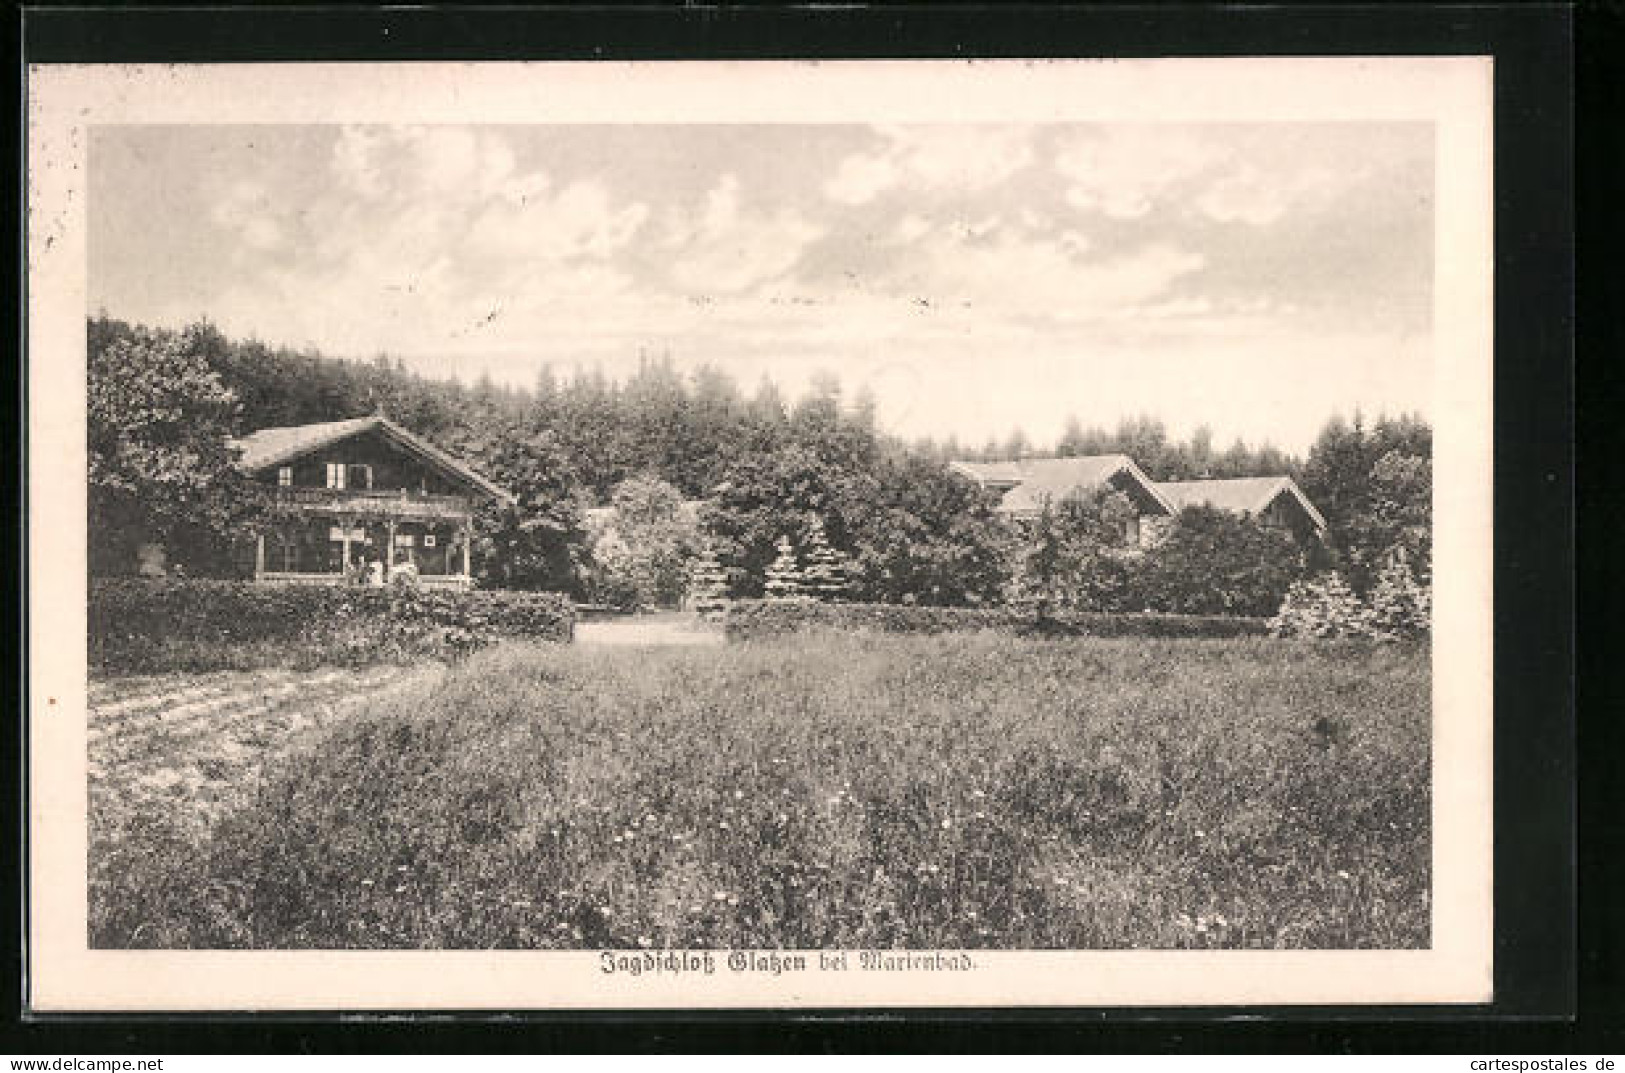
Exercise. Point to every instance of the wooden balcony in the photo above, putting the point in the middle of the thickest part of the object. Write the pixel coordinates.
(363, 503)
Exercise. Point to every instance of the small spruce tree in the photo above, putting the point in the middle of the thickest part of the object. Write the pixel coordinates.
(1321, 607)
(708, 584)
(784, 577)
(825, 576)
(1400, 607)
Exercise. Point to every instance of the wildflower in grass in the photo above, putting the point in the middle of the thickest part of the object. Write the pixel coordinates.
(738, 794)
(401, 889)
(724, 825)
(366, 882)
(645, 941)
(947, 823)
(720, 896)
(1342, 874)
(1060, 881)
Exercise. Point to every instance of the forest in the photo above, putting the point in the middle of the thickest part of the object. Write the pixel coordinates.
(811, 477)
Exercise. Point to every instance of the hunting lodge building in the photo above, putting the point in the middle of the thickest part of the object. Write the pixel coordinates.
(363, 490)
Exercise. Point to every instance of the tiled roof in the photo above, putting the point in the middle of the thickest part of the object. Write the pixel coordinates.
(1050, 480)
(274, 446)
(1250, 495)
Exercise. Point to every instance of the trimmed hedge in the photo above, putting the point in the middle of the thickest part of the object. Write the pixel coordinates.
(751, 619)
(145, 626)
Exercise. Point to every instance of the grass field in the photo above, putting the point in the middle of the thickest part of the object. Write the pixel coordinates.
(965, 790)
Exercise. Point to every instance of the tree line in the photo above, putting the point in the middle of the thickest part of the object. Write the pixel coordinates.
(815, 471)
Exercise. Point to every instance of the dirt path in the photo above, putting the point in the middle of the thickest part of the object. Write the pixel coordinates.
(661, 630)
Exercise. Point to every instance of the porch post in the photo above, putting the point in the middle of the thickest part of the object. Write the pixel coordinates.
(344, 545)
(389, 556)
(259, 555)
(468, 539)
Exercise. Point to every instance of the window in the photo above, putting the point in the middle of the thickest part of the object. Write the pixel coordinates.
(335, 475)
(1131, 531)
(360, 477)
(284, 477)
(428, 540)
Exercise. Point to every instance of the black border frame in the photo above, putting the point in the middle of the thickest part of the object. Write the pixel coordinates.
(1535, 765)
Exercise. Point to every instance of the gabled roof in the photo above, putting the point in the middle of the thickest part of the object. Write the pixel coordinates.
(1249, 495)
(1050, 480)
(989, 473)
(275, 446)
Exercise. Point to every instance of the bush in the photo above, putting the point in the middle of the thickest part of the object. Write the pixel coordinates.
(1213, 562)
(752, 619)
(146, 626)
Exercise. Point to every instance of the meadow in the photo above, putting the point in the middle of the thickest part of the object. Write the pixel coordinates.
(816, 790)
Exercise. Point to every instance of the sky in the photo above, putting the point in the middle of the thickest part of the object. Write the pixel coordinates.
(1256, 279)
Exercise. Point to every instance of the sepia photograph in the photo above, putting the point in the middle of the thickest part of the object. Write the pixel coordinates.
(764, 546)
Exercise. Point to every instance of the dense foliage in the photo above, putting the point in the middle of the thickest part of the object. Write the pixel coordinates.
(643, 549)
(145, 626)
(875, 519)
(157, 420)
(1213, 562)
(959, 792)
(1375, 488)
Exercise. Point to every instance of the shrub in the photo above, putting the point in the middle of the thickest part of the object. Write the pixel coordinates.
(752, 619)
(138, 625)
(1213, 562)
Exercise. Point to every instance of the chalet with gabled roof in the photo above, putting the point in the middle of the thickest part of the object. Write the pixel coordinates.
(1277, 502)
(362, 491)
(1027, 485)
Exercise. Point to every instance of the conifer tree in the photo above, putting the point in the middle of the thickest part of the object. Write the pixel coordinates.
(708, 584)
(1400, 606)
(784, 577)
(825, 576)
(1322, 607)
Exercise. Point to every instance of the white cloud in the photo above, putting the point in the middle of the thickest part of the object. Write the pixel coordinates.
(245, 210)
(1248, 195)
(968, 158)
(1123, 171)
(1126, 172)
(731, 248)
